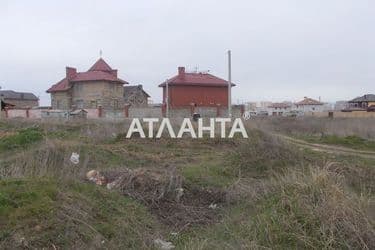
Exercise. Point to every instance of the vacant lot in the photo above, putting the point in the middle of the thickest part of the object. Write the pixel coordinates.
(256, 193)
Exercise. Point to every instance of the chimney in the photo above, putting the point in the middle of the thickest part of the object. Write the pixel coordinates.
(70, 73)
(181, 72)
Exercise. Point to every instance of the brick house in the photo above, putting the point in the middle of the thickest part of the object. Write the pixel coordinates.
(135, 96)
(99, 86)
(10, 98)
(198, 89)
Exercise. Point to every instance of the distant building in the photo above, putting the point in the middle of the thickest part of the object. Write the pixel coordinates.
(10, 98)
(135, 96)
(251, 106)
(264, 104)
(309, 105)
(363, 103)
(341, 105)
(279, 109)
(99, 86)
(198, 89)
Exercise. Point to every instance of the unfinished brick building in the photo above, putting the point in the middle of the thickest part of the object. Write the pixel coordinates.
(99, 86)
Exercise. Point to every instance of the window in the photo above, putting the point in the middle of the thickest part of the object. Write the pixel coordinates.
(115, 104)
(93, 104)
(79, 104)
(78, 88)
(112, 87)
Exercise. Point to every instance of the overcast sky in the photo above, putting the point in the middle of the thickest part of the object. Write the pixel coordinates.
(282, 49)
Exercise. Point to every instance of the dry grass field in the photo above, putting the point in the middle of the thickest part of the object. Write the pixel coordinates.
(256, 193)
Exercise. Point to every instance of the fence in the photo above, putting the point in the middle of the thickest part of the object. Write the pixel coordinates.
(339, 114)
(127, 112)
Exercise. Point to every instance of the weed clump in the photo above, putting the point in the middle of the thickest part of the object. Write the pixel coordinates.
(298, 209)
(263, 154)
(313, 209)
(21, 139)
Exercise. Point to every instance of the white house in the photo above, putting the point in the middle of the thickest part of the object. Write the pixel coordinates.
(309, 105)
(279, 109)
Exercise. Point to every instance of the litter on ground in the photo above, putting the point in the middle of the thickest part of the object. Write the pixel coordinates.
(74, 158)
(163, 191)
(164, 245)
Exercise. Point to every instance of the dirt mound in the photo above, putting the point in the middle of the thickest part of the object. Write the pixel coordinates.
(177, 205)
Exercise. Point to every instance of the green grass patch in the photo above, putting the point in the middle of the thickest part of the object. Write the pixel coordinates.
(351, 141)
(37, 213)
(299, 210)
(21, 139)
(209, 173)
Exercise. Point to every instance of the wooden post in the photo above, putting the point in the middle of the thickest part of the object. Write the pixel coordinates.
(27, 112)
(192, 109)
(126, 110)
(100, 111)
(242, 110)
(163, 109)
(218, 110)
(6, 112)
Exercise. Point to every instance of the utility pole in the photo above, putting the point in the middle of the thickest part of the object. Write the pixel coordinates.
(167, 98)
(229, 84)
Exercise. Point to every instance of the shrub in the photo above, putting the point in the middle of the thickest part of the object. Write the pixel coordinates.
(21, 139)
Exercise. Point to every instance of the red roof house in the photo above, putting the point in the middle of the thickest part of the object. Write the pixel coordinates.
(198, 89)
(99, 85)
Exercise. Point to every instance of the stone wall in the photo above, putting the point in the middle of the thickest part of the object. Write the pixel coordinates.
(137, 99)
(61, 100)
(339, 114)
(149, 112)
(152, 112)
(93, 94)
(22, 103)
(17, 113)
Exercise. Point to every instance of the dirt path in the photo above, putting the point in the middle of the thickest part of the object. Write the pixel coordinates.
(331, 149)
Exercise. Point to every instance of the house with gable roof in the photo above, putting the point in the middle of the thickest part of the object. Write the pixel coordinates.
(99, 86)
(309, 105)
(195, 89)
(362, 103)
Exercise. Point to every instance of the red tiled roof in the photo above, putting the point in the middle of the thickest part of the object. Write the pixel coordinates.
(309, 101)
(280, 105)
(100, 71)
(60, 86)
(196, 79)
(100, 65)
(96, 76)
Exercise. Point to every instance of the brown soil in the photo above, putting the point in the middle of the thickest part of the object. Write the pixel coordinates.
(175, 204)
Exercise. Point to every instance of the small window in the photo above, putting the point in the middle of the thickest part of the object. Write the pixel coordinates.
(79, 104)
(115, 104)
(93, 104)
(78, 88)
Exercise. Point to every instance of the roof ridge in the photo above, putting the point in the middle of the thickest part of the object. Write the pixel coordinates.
(100, 65)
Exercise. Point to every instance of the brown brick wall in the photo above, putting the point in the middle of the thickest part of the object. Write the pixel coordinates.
(183, 96)
(61, 100)
(137, 100)
(90, 95)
